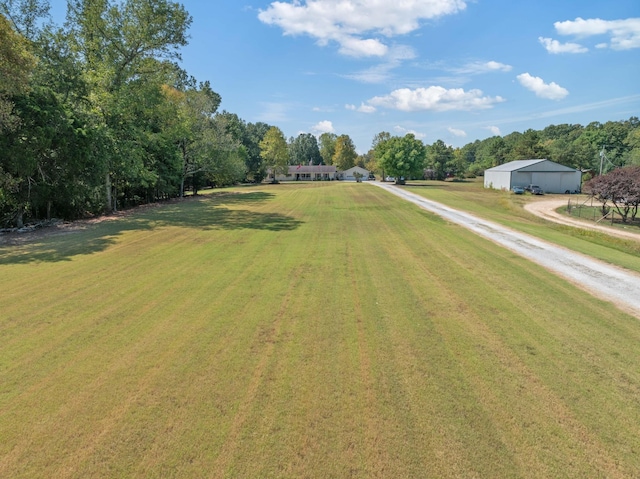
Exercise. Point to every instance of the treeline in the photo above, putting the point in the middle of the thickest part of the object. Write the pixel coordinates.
(96, 115)
(592, 148)
(587, 148)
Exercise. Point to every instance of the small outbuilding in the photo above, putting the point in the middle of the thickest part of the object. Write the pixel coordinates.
(352, 174)
(550, 176)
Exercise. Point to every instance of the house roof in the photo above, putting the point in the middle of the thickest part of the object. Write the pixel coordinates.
(312, 169)
(539, 165)
(356, 168)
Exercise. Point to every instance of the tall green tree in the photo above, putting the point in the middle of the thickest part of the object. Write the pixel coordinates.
(304, 150)
(194, 107)
(439, 156)
(16, 65)
(402, 157)
(274, 151)
(26, 16)
(458, 164)
(226, 155)
(120, 42)
(492, 152)
(327, 145)
(632, 156)
(372, 163)
(345, 154)
(44, 159)
(528, 146)
(256, 169)
(249, 135)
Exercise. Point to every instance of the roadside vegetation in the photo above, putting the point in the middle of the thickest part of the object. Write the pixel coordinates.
(306, 330)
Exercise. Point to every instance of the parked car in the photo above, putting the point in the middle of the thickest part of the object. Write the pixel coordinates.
(536, 190)
(390, 178)
(530, 188)
(518, 190)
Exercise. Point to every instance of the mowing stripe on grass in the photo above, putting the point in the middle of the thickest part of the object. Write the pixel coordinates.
(306, 330)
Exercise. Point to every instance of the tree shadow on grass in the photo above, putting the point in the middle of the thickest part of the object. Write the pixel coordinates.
(221, 218)
(206, 213)
(232, 197)
(62, 244)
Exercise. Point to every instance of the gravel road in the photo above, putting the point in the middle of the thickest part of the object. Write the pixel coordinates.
(619, 286)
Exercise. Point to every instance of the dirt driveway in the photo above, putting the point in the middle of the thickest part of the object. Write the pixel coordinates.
(546, 208)
(616, 285)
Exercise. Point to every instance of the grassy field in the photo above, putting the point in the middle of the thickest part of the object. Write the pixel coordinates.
(317, 330)
(508, 209)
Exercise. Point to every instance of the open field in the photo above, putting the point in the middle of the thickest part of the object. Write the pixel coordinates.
(508, 209)
(314, 330)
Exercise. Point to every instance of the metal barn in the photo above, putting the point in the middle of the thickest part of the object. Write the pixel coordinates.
(548, 175)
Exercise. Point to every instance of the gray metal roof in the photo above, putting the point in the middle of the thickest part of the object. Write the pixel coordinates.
(312, 169)
(539, 165)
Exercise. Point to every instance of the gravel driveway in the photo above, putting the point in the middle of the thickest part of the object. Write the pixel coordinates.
(621, 287)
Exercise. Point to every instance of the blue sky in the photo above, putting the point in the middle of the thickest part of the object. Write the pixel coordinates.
(453, 70)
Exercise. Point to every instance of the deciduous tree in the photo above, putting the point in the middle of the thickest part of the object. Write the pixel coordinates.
(439, 155)
(16, 64)
(345, 154)
(327, 147)
(402, 157)
(274, 151)
(120, 42)
(304, 150)
(620, 187)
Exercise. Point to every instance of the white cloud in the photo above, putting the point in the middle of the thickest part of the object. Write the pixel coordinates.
(551, 91)
(382, 72)
(624, 34)
(493, 66)
(456, 132)
(356, 25)
(322, 109)
(376, 74)
(355, 47)
(362, 108)
(554, 46)
(495, 131)
(483, 67)
(435, 98)
(404, 131)
(273, 112)
(323, 127)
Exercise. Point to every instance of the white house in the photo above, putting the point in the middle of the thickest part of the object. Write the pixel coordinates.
(548, 175)
(308, 173)
(349, 175)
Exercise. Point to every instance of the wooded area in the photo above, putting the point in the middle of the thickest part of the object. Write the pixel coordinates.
(97, 115)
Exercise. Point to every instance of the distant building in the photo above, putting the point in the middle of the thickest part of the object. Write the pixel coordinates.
(321, 173)
(548, 175)
(309, 173)
(349, 175)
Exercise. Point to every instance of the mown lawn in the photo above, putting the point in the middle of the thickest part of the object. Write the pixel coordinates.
(314, 330)
(508, 209)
